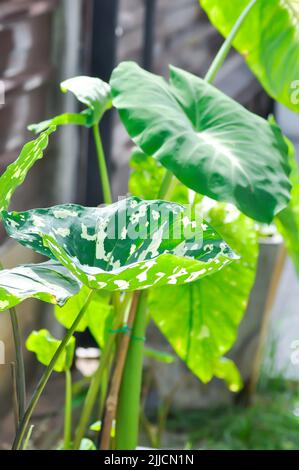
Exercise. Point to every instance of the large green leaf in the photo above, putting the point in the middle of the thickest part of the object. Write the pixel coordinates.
(209, 311)
(44, 345)
(268, 40)
(15, 173)
(210, 143)
(92, 92)
(287, 221)
(50, 282)
(131, 244)
(96, 316)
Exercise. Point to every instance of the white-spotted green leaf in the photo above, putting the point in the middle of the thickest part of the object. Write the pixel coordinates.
(209, 311)
(49, 282)
(95, 317)
(132, 244)
(16, 172)
(208, 141)
(268, 41)
(44, 345)
(90, 91)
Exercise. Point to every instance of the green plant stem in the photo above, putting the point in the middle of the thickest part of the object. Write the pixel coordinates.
(45, 377)
(20, 365)
(93, 391)
(68, 411)
(210, 77)
(166, 184)
(127, 420)
(102, 165)
(226, 46)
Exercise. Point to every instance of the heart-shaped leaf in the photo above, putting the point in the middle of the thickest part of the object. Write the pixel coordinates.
(131, 244)
(92, 92)
(96, 315)
(210, 143)
(49, 282)
(44, 345)
(15, 174)
(209, 311)
(268, 40)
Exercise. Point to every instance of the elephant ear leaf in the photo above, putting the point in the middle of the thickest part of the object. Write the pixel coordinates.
(49, 282)
(90, 91)
(268, 40)
(15, 173)
(208, 141)
(132, 244)
(44, 345)
(209, 311)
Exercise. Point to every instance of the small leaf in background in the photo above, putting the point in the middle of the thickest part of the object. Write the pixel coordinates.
(287, 221)
(268, 41)
(211, 143)
(95, 317)
(132, 244)
(87, 444)
(16, 172)
(209, 311)
(91, 91)
(50, 282)
(44, 345)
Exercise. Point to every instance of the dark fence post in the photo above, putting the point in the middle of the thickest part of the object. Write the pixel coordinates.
(149, 34)
(103, 51)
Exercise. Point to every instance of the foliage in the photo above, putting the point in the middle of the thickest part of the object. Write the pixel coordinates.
(202, 339)
(44, 345)
(50, 282)
(150, 247)
(202, 136)
(268, 42)
(92, 92)
(96, 318)
(15, 173)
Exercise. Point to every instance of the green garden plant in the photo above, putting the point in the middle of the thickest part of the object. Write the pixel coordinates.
(174, 251)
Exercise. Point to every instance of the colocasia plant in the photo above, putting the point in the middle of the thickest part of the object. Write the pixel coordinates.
(180, 250)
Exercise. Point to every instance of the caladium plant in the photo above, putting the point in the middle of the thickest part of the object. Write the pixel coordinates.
(152, 254)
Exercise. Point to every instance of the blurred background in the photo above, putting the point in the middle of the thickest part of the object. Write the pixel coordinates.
(43, 42)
